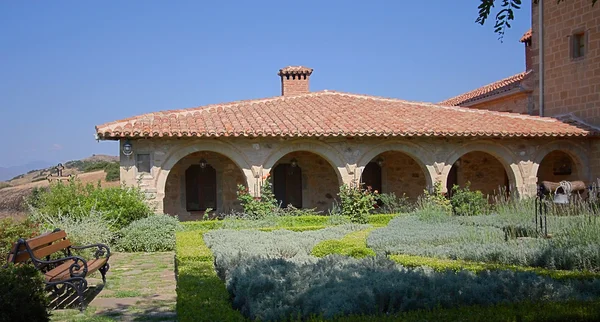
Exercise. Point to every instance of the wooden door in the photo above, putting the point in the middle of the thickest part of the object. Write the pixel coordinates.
(201, 188)
(287, 185)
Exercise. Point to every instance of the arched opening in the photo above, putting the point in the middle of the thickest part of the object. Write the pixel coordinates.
(201, 181)
(304, 180)
(557, 166)
(482, 171)
(395, 172)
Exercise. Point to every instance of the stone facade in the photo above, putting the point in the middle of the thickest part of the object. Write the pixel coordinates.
(571, 85)
(416, 163)
(402, 175)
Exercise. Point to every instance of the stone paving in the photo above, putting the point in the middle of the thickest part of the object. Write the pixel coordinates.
(139, 287)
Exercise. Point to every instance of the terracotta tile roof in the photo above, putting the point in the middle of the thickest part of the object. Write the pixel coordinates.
(495, 88)
(328, 113)
(526, 36)
(295, 70)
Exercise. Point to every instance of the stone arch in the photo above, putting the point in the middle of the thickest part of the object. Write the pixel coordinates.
(327, 152)
(577, 153)
(501, 153)
(414, 151)
(211, 146)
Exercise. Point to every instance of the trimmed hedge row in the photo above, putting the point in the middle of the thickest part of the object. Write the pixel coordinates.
(294, 223)
(201, 295)
(353, 244)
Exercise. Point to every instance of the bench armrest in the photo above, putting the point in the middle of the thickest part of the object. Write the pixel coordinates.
(102, 251)
(79, 268)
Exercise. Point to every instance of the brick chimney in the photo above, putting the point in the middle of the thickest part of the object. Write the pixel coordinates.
(526, 39)
(294, 80)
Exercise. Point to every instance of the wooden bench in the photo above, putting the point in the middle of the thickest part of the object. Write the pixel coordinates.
(53, 254)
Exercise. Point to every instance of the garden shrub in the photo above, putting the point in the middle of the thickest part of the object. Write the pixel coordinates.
(258, 207)
(22, 294)
(356, 203)
(337, 285)
(82, 230)
(232, 247)
(151, 234)
(113, 172)
(468, 203)
(120, 205)
(572, 247)
(433, 205)
(11, 230)
(392, 204)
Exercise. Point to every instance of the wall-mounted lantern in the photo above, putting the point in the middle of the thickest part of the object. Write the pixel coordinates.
(127, 148)
(294, 163)
(379, 161)
(203, 163)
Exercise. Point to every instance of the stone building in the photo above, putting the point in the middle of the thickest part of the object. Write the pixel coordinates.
(310, 143)
(571, 69)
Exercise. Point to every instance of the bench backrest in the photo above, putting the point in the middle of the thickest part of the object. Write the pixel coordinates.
(41, 246)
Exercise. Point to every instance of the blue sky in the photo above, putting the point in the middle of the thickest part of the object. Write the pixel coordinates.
(66, 66)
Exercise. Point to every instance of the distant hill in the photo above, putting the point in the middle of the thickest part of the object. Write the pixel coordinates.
(13, 191)
(6, 173)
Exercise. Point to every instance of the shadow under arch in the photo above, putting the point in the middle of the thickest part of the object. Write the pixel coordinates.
(501, 153)
(222, 148)
(577, 153)
(412, 150)
(327, 152)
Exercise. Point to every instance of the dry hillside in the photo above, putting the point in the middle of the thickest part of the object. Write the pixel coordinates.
(15, 190)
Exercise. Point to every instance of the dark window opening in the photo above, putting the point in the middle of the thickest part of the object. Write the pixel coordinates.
(578, 45)
(143, 163)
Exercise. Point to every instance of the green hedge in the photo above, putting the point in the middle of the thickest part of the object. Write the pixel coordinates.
(22, 294)
(354, 244)
(201, 295)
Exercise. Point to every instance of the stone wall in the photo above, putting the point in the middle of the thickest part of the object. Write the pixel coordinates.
(319, 181)
(341, 160)
(402, 175)
(484, 172)
(228, 177)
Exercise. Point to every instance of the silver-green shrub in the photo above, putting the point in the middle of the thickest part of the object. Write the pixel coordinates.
(482, 239)
(274, 289)
(151, 234)
(90, 229)
(233, 247)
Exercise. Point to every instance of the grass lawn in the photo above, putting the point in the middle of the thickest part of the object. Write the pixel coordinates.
(139, 287)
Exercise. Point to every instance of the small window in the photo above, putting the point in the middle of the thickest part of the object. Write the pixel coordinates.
(143, 163)
(578, 45)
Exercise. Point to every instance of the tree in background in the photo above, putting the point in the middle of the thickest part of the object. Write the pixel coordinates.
(505, 15)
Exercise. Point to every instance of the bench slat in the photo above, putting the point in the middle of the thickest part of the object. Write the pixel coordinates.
(61, 272)
(42, 252)
(42, 240)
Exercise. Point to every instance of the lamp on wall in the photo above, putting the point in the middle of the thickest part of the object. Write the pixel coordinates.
(203, 163)
(294, 162)
(457, 163)
(379, 161)
(127, 148)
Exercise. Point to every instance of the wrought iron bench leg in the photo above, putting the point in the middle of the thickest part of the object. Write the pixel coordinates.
(103, 271)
